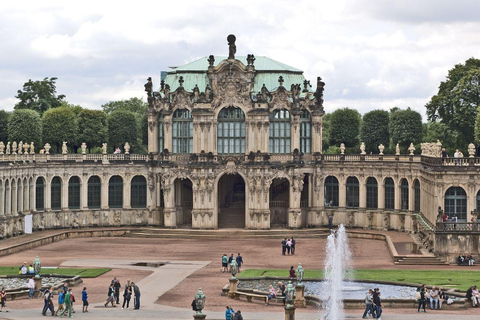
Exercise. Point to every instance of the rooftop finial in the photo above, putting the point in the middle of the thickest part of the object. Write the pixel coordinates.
(232, 48)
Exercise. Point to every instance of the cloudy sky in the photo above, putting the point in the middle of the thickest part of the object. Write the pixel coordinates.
(371, 53)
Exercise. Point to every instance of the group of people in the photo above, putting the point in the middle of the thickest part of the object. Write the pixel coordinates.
(230, 314)
(26, 269)
(288, 246)
(473, 295)
(465, 260)
(433, 296)
(373, 304)
(113, 295)
(279, 292)
(226, 262)
(66, 300)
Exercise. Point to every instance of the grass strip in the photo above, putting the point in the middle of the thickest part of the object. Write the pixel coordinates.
(83, 272)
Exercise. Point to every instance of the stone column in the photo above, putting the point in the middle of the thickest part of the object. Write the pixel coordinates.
(300, 301)
(14, 198)
(411, 196)
(167, 133)
(104, 193)
(48, 194)
(316, 134)
(26, 196)
(290, 313)
(8, 199)
(38, 286)
(362, 194)
(381, 195)
(84, 194)
(2, 198)
(295, 133)
(233, 287)
(471, 200)
(32, 195)
(169, 212)
(153, 133)
(20, 198)
(342, 193)
(127, 194)
(398, 197)
(64, 195)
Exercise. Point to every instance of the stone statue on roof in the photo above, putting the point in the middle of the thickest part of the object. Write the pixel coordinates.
(232, 48)
(148, 87)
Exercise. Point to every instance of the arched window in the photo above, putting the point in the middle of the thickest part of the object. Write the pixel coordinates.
(416, 186)
(74, 193)
(389, 194)
(331, 191)
(115, 192)
(94, 192)
(231, 131)
(372, 193)
(182, 131)
(138, 192)
(456, 203)
(353, 192)
(279, 139)
(404, 194)
(40, 194)
(305, 132)
(161, 145)
(56, 193)
(478, 202)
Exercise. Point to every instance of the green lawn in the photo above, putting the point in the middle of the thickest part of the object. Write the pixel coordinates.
(84, 273)
(459, 279)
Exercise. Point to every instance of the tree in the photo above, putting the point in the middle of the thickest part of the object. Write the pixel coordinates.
(134, 105)
(122, 128)
(405, 127)
(60, 124)
(375, 129)
(26, 126)
(4, 116)
(440, 131)
(458, 99)
(345, 127)
(92, 126)
(326, 131)
(39, 95)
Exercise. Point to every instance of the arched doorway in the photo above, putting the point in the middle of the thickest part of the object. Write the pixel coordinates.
(183, 202)
(279, 196)
(231, 201)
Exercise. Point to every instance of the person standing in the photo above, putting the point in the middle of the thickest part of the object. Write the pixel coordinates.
(136, 292)
(421, 301)
(117, 286)
(238, 315)
(85, 300)
(284, 246)
(289, 246)
(378, 304)
(368, 304)
(31, 288)
(230, 259)
(110, 295)
(127, 295)
(68, 304)
(239, 261)
(229, 313)
(224, 263)
(3, 298)
(61, 302)
(293, 246)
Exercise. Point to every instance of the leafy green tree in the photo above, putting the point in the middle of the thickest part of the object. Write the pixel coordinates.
(326, 131)
(439, 131)
(405, 127)
(477, 127)
(374, 130)
(39, 95)
(458, 99)
(60, 124)
(122, 128)
(135, 105)
(344, 127)
(92, 125)
(4, 116)
(26, 126)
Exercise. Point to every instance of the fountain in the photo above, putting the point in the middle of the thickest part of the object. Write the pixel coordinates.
(336, 261)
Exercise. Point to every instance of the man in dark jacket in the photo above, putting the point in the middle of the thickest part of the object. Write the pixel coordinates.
(116, 286)
(239, 260)
(136, 292)
(284, 246)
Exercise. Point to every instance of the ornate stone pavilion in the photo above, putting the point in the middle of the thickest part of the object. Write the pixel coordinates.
(237, 142)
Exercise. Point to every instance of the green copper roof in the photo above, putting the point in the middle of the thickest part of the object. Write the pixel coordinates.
(267, 72)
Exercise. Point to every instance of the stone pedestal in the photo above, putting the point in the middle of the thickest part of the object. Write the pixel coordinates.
(233, 287)
(300, 301)
(38, 286)
(199, 316)
(290, 313)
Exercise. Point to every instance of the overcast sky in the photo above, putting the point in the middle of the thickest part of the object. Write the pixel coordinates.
(372, 54)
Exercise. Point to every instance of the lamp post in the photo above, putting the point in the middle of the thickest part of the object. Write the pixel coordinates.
(289, 302)
(199, 305)
(233, 280)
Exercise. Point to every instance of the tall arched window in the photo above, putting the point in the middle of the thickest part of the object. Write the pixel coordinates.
(389, 194)
(416, 186)
(138, 192)
(305, 132)
(231, 131)
(456, 203)
(56, 193)
(161, 145)
(40, 194)
(115, 192)
(331, 191)
(182, 131)
(74, 193)
(279, 139)
(94, 192)
(353, 191)
(404, 194)
(372, 193)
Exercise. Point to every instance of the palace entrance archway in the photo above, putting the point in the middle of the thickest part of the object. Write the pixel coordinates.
(231, 201)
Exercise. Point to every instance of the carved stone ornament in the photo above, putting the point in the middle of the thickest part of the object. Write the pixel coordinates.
(20, 147)
(397, 150)
(47, 148)
(181, 98)
(84, 148)
(430, 149)
(411, 149)
(2, 147)
(32, 148)
(342, 148)
(14, 147)
(281, 99)
(471, 150)
(64, 147)
(362, 148)
(231, 83)
(127, 148)
(8, 148)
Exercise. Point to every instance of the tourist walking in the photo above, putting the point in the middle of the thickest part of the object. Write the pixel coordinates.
(229, 313)
(284, 246)
(61, 302)
(3, 300)
(85, 300)
(421, 301)
(224, 263)
(230, 259)
(368, 304)
(377, 301)
(136, 292)
(239, 261)
(48, 302)
(68, 304)
(293, 246)
(72, 300)
(31, 288)
(110, 295)
(127, 295)
(117, 286)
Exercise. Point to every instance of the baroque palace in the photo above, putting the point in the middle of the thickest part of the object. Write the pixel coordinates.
(237, 142)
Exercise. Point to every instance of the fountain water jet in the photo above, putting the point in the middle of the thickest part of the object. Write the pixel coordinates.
(338, 256)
